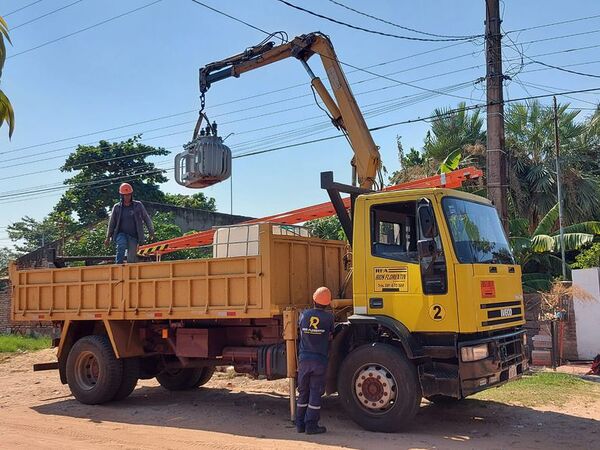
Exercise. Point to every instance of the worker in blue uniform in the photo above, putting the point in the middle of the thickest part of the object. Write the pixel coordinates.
(316, 331)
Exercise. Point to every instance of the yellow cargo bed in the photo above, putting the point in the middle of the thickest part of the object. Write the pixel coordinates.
(285, 272)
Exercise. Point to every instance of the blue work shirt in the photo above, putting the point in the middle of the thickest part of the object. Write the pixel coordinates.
(316, 328)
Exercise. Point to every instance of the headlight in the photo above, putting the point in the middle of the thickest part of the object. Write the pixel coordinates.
(474, 353)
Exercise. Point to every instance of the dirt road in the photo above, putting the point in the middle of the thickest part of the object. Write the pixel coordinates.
(232, 413)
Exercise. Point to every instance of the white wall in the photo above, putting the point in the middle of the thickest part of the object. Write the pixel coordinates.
(587, 313)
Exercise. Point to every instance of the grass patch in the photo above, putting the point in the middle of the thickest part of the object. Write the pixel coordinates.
(12, 343)
(542, 388)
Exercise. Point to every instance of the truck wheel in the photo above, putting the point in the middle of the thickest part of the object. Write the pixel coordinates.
(443, 399)
(131, 374)
(94, 374)
(379, 387)
(207, 373)
(180, 379)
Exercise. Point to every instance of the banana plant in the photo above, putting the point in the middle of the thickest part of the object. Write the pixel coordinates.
(7, 113)
(538, 254)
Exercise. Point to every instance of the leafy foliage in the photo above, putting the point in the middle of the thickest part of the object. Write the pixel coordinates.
(90, 241)
(101, 169)
(588, 258)
(196, 201)
(7, 113)
(532, 174)
(34, 234)
(326, 228)
(6, 254)
(537, 253)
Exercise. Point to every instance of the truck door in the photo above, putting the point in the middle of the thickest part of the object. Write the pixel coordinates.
(414, 290)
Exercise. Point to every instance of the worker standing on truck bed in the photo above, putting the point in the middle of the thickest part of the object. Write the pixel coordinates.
(126, 225)
(316, 331)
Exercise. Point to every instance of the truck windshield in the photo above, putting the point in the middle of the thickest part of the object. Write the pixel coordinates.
(476, 232)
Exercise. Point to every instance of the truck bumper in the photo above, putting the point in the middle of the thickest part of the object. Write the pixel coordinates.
(507, 360)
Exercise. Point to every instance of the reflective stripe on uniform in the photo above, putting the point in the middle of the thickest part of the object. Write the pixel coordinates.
(301, 405)
(314, 407)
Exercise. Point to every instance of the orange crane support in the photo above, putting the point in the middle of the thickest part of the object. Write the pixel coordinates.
(450, 180)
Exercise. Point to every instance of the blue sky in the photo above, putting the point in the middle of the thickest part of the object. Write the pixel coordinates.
(145, 65)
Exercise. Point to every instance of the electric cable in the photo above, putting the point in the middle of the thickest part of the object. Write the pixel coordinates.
(367, 30)
(43, 15)
(110, 19)
(21, 8)
(403, 27)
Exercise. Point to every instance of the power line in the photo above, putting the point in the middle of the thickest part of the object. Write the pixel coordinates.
(554, 24)
(44, 15)
(95, 183)
(367, 30)
(251, 97)
(562, 69)
(21, 8)
(233, 18)
(403, 27)
(84, 29)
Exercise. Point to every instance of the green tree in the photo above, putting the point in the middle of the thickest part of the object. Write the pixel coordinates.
(538, 253)
(453, 129)
(532, 174)
(101, 169)
(326, 228)
(7, 113)
(33, 234)
(196, 201)
(588, 258)
(90, 241)
(6, 255)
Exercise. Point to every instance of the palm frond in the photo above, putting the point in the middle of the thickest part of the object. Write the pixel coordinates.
(548, 221)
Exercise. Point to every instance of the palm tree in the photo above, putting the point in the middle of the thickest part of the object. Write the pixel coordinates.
(537, 253)
(6, 111)
(452, 130)
(532, 174)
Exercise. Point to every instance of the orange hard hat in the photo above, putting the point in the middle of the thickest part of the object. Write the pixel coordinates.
(322, 296)
(125, 188)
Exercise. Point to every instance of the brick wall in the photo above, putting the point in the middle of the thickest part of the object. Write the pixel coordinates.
(536, 326)
(7, 326)
(4, 306)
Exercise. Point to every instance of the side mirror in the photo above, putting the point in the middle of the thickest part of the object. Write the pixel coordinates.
(426, 248)
(426, 220)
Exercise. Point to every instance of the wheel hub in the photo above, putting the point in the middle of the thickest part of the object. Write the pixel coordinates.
(87, 370)
(375, 388)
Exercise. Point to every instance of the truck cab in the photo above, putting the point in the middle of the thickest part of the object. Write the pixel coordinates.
(433, 275)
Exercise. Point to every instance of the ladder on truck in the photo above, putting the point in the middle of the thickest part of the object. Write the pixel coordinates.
(451, 180)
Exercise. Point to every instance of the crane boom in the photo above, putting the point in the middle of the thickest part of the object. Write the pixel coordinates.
(343, 110)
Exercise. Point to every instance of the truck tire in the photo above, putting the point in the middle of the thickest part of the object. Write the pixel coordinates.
(207, 373)
(94, 373)
(443, 399)
(181, 379)
(131, 374)
(379, 387)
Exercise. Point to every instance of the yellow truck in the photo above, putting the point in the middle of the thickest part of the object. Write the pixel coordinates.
(429, 300)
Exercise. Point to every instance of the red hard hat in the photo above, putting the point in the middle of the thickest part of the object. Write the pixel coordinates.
(322, 296)
(125, 188)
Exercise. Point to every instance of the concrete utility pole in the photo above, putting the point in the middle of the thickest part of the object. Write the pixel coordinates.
(559, 193)
(497, 176)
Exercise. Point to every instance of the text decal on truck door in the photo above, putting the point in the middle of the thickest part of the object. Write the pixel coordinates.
(391, 279)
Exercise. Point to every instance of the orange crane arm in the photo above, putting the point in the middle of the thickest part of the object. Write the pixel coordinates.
(343, 111)
(450, 180)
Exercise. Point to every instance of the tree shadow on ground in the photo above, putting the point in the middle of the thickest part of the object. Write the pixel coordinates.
(466, 424)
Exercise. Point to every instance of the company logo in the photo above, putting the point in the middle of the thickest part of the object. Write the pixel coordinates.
(313, 322)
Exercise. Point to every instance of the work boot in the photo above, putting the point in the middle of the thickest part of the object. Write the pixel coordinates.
(314, 428)
(300, 428)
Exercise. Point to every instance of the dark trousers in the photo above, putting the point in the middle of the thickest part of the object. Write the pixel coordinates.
(311, 386)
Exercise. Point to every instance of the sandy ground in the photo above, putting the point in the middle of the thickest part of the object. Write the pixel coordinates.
(36, 411)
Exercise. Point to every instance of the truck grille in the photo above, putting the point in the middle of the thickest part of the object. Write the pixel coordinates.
(502, 313)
